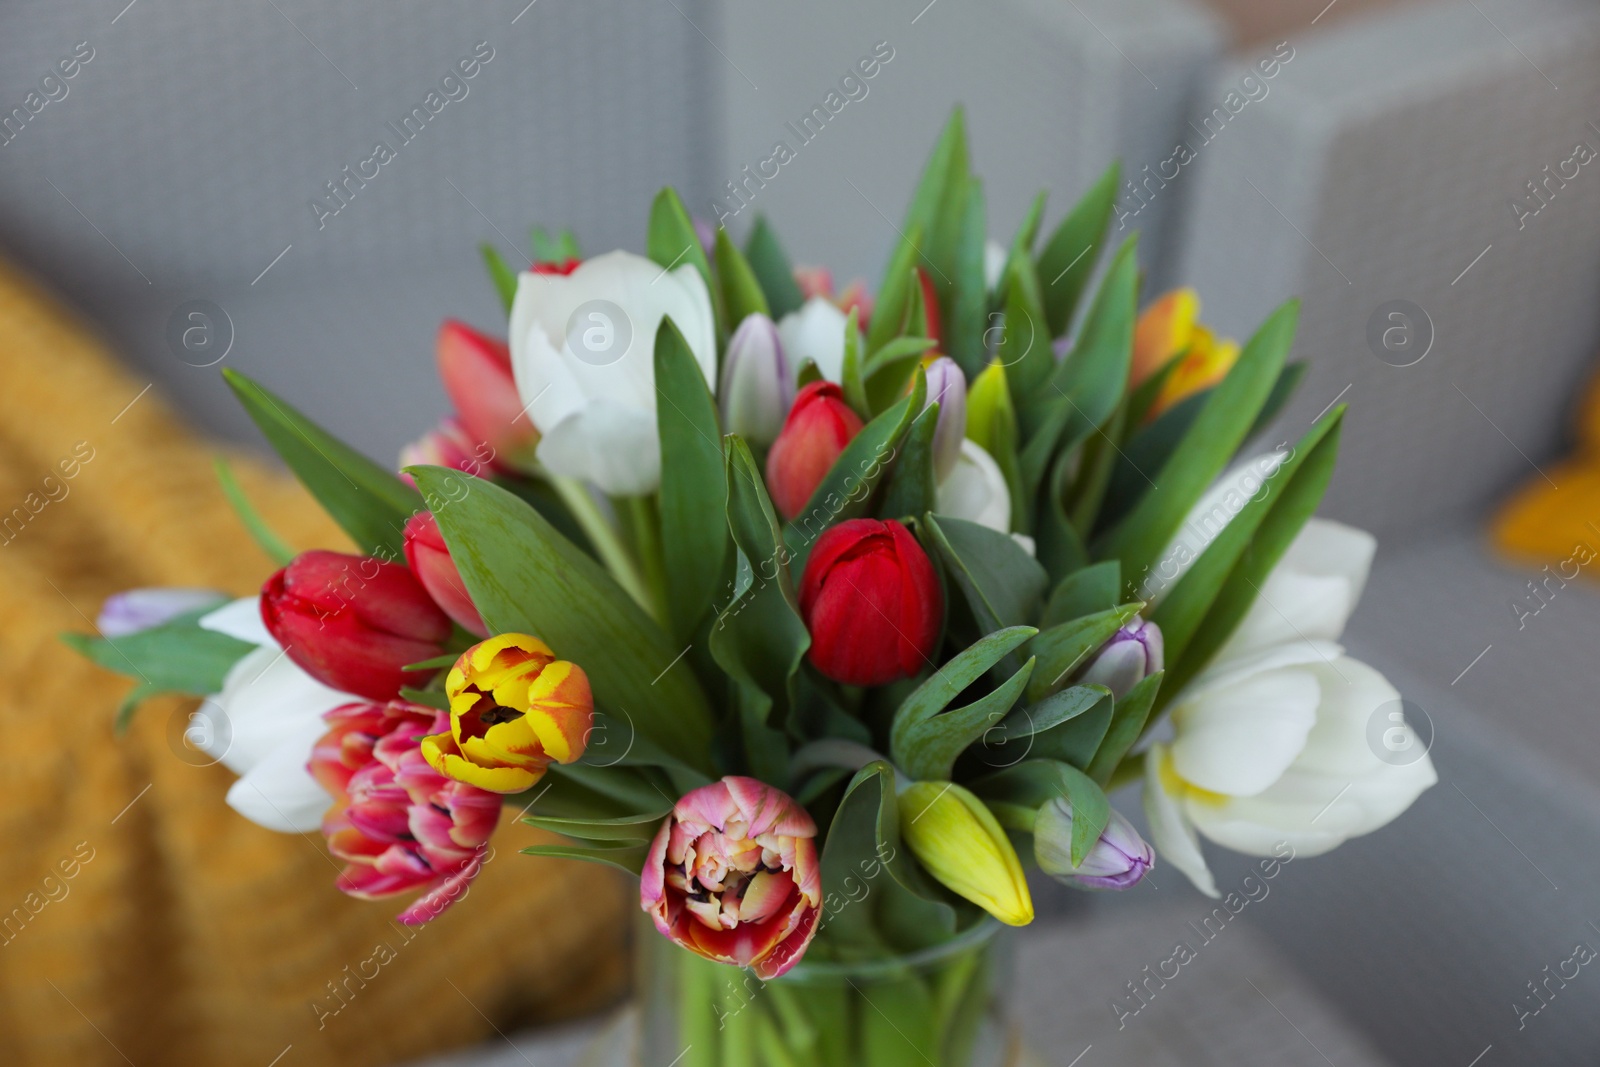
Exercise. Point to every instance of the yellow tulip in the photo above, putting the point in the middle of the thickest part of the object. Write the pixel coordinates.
(959, 842)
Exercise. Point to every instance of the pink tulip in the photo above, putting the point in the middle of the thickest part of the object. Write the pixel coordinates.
(400, 825)
(733, 876)
(449, 445)
(429, 559)
(476, 370)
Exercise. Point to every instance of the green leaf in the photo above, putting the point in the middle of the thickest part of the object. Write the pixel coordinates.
(370, 502)
(1062, 649)
(863, 844)
(614, 743)
(428, 698)
(912, 488)
(1068, 258)
(1152, 445)
(276, 548)
(759, 639)
(772, 269)
(1000, 581)
(1085, 591)
(889, 370)
(546, 249)
(504, 278)
(176, 657)
(634, 829)
(1128, 719)
(1204, 450)
(627, 858)
(1057, 543)
(525, 577)
(694, 529)
(1183, 608)
(1025, 349)
(1087, 386)
(950, 680)
(846, 491)
(1037, 782)
(1287, 507)
(937, 207)
(1046, 715)
(927, 750)
(895, 294)
(965, 300)
(1022, 243)
(672, 242)
(852, 374)
(741, 292)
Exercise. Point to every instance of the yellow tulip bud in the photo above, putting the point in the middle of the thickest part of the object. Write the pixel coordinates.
(959, 842)
(1204, 365)
(1164, 329)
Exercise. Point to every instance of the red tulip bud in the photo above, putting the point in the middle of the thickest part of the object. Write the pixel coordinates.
(430, 561)
(352, 622)
(819, 425)
(930, 308)
(871, 601)
(476, 370)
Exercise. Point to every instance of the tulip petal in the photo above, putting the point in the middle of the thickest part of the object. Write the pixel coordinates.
(266, 699)
(241, 620)
(279, 792)
(1171, 832)
(815, 332)
(975, 489)
(613, 446)
(1239, 741)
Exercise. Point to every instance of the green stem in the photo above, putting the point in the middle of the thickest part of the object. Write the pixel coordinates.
(639, 512)
(613, 553)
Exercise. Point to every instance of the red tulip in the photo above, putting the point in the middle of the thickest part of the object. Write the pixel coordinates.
(819, 425)
(476, 370)
(871, 601)
(430, 561)
(352, 622)
(930, 309)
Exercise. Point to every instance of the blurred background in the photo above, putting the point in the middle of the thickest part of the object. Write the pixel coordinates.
(1433, 160)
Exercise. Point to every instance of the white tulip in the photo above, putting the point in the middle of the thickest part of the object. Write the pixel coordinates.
(815, 332)
(1291, 762)
(583, 353)
(263, 725)
(1271, 740)
(975, 489)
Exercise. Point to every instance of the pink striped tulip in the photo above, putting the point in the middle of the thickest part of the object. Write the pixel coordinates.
(399, 825)
(448, 445)
(733, 876)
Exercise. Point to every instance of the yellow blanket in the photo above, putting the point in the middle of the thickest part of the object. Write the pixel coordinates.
(141, 920)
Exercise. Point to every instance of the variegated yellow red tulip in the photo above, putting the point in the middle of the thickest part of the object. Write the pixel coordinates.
(514, 709)
(1206, 363)
(1163, 331)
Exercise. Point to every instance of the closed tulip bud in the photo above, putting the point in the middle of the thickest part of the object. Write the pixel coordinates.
(448, 445)
(353, 622)
(958, 840)
(817, 430)
(1118, 860)
(476, 370)
(133, 610)
(871, 601)
(947, 386)
(757, 384)
(733, 876)
(1206, 362)
(1132, 655)
(429, 559)
(514, 710)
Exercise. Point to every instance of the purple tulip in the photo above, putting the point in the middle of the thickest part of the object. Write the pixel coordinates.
(947, 386)
(133, 610)
(1131, 656)
(757, 387)
(1118, 860)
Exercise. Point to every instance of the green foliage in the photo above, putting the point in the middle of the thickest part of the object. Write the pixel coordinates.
(772, 269)
(524, 577)
(1068, 258)
(501, 274)
(694, 532)
(370, 502)
(176, 657)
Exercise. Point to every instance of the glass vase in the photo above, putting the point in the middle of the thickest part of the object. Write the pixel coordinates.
(942, 1006)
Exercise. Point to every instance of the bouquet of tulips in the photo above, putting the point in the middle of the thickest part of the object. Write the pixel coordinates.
(820, 615)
